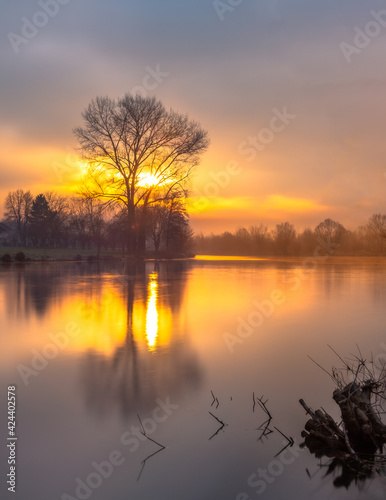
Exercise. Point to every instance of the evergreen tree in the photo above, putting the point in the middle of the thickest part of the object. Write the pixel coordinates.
(42, 221)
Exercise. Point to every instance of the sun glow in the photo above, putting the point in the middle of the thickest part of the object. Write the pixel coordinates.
(84, 167)
(148, 180)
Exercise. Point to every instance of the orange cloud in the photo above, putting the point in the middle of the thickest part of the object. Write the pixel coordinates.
(273, 205)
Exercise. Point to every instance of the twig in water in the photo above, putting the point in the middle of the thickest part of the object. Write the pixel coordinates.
(340, 357)
(291, 442)
(264, 427)
(215, 400)
(144, 462)
(284, 448)
(147, 437)
(218, 420)
(263, 406)
(289, 439)
(221, 426)
(161, 447)
(320, 366)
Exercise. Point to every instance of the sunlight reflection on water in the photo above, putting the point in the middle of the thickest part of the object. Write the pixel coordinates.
(150, 332)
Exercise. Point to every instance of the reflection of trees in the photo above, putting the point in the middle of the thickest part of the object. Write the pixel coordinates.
(34, 288)
(31, 289)
(133, 377)
(347, 472)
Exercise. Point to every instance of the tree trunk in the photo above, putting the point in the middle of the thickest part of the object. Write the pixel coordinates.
(131, 230)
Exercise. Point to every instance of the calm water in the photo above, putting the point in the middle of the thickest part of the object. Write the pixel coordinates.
(152, 343)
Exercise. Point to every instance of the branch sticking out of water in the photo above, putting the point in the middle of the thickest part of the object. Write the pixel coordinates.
(147, 437)
(161, 447)
(221, 426)
(215, 400)
(291, 442)
(263, 404)
(264, 427)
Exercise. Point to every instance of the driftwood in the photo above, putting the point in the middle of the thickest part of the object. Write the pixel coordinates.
(356, 444)
(365, 430)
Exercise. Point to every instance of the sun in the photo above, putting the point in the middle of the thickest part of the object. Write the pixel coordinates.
(83, 167)
(148, 180)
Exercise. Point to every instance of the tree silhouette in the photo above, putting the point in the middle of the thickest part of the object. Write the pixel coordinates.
(330, 230)
(42, 221)
(17, 209)
(137, 153)
(284, 235)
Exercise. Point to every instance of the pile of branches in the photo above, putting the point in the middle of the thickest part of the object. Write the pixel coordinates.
(356, 443)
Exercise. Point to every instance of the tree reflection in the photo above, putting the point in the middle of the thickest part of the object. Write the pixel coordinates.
(34, 288)
(155, 359)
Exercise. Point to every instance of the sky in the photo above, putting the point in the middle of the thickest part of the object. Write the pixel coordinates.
(292, 94)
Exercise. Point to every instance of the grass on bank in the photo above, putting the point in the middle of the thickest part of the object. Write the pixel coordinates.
(77, 254)
(57, 254)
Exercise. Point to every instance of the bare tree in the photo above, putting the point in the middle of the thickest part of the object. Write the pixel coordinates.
(284, 235)
(137, 153)
(88, 222)
(330, 230)
(57, 203)
(17, 208)
(377, 224)
(260, 238)
(157, 227)
(376, 228)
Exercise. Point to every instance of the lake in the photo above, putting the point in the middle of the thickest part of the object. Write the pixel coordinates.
(126, 373)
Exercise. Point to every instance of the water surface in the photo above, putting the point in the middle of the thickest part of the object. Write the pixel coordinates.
(93, 348)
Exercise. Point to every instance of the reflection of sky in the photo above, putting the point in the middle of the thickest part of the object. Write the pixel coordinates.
(97, 310)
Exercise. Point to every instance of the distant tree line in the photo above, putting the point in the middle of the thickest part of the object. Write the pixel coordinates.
(55, 221)
(259, 240)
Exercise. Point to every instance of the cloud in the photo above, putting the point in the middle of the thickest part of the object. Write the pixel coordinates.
(228, 76)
